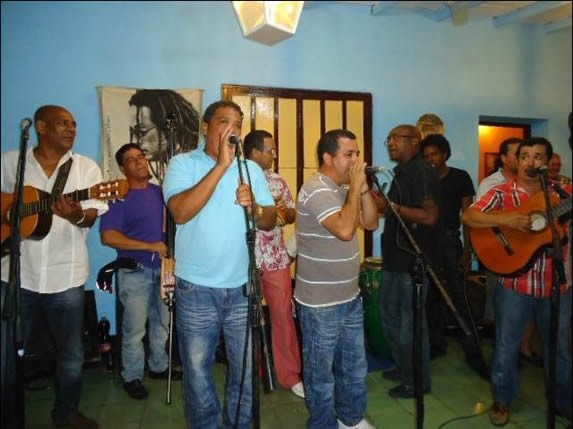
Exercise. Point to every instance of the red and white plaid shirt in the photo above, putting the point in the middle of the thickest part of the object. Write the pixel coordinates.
(538, 280)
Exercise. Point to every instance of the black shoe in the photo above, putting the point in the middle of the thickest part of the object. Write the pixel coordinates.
(404, 392)
(135, 389)
(175, 374)
(393, 374)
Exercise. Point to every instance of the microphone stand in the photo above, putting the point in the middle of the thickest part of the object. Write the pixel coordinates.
(418, 272)
(258, 333)
(13, 406)
(168, 264)
(557, 278)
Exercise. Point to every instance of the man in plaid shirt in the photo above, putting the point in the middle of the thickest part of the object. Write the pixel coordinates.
(518, 297)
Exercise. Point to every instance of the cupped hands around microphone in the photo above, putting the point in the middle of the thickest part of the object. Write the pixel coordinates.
(374, 169)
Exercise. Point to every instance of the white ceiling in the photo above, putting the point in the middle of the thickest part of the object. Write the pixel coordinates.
(552, 15)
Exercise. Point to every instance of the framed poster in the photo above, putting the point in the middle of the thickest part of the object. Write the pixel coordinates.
(132, 115)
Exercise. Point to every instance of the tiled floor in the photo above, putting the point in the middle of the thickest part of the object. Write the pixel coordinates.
(456, 393)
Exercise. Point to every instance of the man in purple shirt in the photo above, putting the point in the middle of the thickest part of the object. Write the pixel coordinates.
(134, 227)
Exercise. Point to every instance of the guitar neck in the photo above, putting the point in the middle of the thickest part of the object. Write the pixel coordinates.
(43, 205)
(170, 233)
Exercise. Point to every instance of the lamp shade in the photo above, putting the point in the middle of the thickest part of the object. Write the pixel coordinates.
(268, 22)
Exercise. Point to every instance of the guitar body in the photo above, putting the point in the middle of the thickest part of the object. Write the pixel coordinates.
(35, 226)
(507, 251)
(36, 210)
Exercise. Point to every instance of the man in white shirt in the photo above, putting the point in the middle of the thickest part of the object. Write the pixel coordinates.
(55, 267)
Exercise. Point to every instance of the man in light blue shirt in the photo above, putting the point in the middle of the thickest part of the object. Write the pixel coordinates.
(207, 199)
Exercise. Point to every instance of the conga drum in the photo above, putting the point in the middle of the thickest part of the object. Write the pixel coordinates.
(370, 284)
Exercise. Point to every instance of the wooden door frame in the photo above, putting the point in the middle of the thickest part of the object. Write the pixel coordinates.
(230, 90)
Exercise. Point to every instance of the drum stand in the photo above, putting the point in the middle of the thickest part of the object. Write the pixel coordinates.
(418, 272)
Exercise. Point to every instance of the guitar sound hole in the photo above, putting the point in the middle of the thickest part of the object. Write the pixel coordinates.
(538, 222)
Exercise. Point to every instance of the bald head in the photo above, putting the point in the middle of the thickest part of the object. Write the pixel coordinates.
(55, 127)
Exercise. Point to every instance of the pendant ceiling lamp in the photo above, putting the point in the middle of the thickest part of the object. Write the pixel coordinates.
(268, 22)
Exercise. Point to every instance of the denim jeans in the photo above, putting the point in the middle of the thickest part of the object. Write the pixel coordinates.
(512, 313)
(64, 313)
(334, 363)
(397, 314)
(139, 293)
(201, 313)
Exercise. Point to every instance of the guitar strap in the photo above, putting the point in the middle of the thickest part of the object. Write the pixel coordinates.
(62, 178)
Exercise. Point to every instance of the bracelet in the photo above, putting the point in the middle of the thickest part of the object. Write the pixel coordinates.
(82, 219)
(365, 192)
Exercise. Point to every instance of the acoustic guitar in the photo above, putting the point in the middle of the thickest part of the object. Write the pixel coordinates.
(507, 251)
(36, 211)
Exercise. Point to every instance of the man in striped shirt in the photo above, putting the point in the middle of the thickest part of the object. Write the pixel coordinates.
(519, 296)
(331, 206)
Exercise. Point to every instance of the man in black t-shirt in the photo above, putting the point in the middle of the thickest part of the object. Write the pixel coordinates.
(414, 195)
(457, 192)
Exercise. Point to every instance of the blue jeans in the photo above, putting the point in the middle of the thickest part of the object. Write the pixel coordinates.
(397, 314)
(334, 363)
(512, 313)
(64, 313)
(201, 313)
(139, 293)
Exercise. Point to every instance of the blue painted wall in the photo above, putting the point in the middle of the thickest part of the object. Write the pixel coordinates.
(58, 53)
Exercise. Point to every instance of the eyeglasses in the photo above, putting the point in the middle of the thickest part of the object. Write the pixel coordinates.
(272, 151)
(398, 138)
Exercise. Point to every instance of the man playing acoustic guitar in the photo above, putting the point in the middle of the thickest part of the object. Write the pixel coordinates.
(526, 290)
(55, 268)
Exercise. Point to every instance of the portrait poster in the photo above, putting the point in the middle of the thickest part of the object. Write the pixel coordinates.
(154, 119)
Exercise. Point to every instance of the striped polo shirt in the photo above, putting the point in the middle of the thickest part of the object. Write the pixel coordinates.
(327, 267)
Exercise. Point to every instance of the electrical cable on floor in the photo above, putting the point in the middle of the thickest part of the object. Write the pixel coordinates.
(479, 410)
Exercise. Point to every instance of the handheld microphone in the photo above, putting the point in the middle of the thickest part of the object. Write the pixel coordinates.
(534, 172)
(233, 139)
(372, 170)
(26, 124)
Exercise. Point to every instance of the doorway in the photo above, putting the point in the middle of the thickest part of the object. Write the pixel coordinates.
(491, 134)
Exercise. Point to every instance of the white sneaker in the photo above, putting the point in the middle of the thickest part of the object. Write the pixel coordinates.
(298, 389)
(362, 424)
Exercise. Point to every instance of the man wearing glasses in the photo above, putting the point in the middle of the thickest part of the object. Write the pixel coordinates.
(414, 195)
(273, 261)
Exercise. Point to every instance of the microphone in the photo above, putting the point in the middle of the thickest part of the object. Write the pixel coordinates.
(534, 172)
(372, 170)
(233, 139)
(26, 124)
